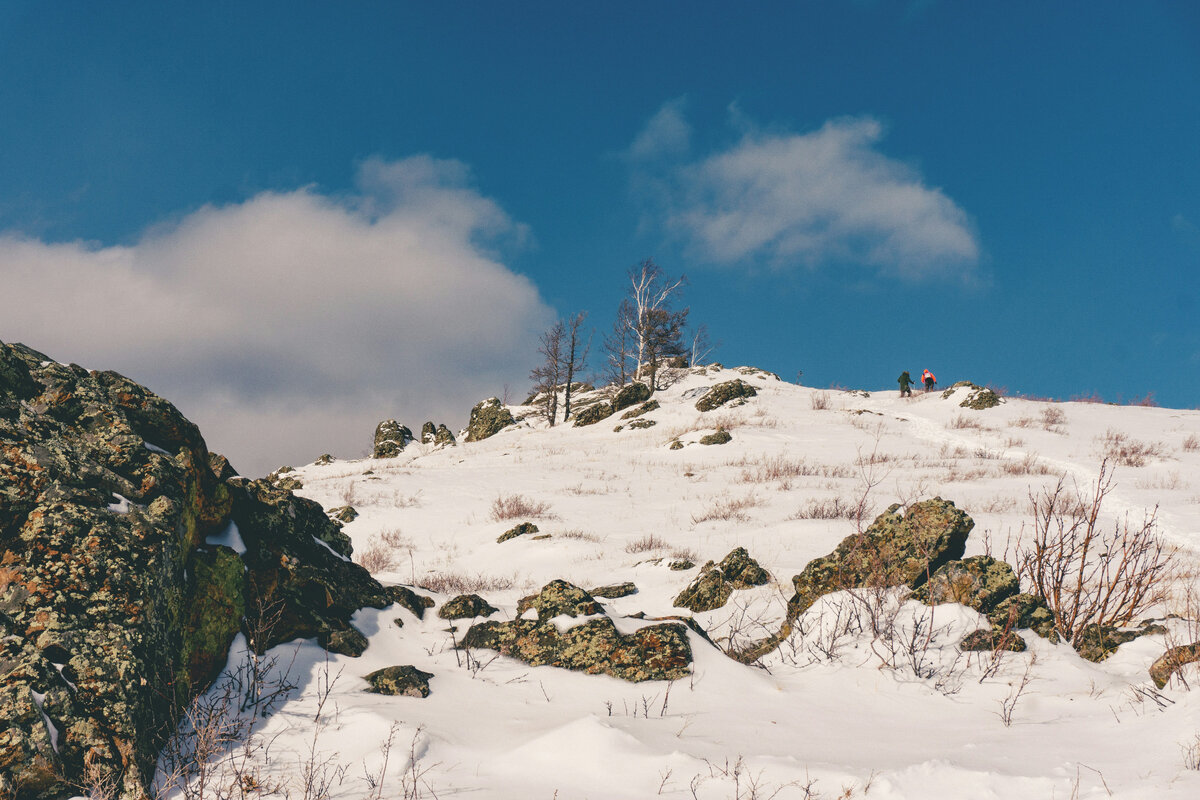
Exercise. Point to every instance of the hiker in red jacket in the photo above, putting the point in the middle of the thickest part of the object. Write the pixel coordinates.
(928, 379)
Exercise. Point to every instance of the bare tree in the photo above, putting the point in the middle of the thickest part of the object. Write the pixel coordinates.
(650, 290)
(574, 356)
(701, 345)
(548, 375)
(662, 332)
(618, 345)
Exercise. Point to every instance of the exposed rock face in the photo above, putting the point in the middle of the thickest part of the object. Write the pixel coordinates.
(466, 606)
(977, 397)
(120, 564)
(720, 436)
(630, 395)
(896, 550)
(443, 436)
(1170, 662)
(390, 439)
(656, 652)
(593, 413)
(520, 530)
(403, 681)
(980, 582)
(613, 591)
(488, 418)
(716, 582)
(644, 408)
(722, 393)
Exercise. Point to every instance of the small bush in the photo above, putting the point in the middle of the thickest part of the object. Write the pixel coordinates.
(1052, 418)
(962, 421)
(835, 508)
(646, 543)
(820, 401)
(517, 505)
(377, 557)
(727, 508)
(1191, 444)
(1029, 465)
(1127, 452)
(461, 583)
(578, 535)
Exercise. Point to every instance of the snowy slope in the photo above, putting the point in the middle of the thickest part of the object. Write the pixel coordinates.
(827, 715)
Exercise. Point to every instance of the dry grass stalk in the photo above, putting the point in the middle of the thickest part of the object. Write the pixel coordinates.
(727, 509)
(647, 543)
(1087, 575)
(833, 508)
(461, 583)
(1191, 444)
(1127, 452)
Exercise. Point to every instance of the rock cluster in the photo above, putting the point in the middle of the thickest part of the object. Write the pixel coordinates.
(722, 393)
(595, 646)
(714, 585)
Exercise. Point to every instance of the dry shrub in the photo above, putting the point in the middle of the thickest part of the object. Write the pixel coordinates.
(998, 504)
(578, 535)
(1191, 444)
(1171, 482)
(1013, 441)
(1028, 465)
(647, 543)
(517, 505)
(1089, 576)
(955, 475)
(461, 583)
(833, 508)
(820, 401)
(377, 557)
(685, 554)
(392, 537)
(1094, 398)
(963, 421)
(778, 468)
(727, 509)
(1023, 422)
(1127, 452)
(1052, 418)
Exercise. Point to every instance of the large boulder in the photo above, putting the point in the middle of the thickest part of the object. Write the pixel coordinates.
(466, 606)
(1170, 662)
(655, 652)
(630, 395)
(592, 414)
(979, 582)
(390, 439)
(896, 550)
(129, 559)
(488, 418)
(722, 393)
(713, 587)
(400, 681)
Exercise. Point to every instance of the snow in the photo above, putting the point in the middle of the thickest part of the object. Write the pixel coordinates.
(121, 506)
(834, 710)
(231, 537)
(153, 448)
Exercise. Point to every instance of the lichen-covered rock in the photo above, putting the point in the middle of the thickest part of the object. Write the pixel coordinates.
(390, 439)
(401, 681)
(324, 459)
(519, 530)
(407, 598)
(558, 597)
(630, 395)
(720, 436)
(644, 408)
(593, 413)
(117, 601)
(344, 641)
(343, 513)
(992, 639)
(443, 437)
(712, 588)
(285, 478)
(722, 393)
(1170, 662)
(681, 565)
(488, 418)
(1024, 611)
(1098, 642)
(896, 550)
(976, 397)
(656, 652)
(979, 582)
(466, 606)
(613, 591)
(642, 424)
(428, 431)
(676, 445)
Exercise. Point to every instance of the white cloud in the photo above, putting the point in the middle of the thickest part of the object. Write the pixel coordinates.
(666, 134)
(291, 323)
(823, 197)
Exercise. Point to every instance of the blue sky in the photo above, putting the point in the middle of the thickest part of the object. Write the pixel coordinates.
(369, 209)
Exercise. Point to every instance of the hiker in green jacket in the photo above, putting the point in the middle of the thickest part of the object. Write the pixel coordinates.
(905, 380)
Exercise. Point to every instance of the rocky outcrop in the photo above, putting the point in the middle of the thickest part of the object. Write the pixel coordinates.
(979, 582)
(719, 436)
(722, 393)
(1170, 662)
(401, 681)
(715, 584)
(523, 529)
(614, 591)
(488, 418)
(437, 435)
(593, 413)
(630, 395)
(974, 397)
(466, 606)
(129, 557)
(390, 439)
(655, 652)
(896, 550)
(644, 408)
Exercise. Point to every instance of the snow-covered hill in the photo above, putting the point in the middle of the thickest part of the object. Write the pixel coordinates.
(835, 712)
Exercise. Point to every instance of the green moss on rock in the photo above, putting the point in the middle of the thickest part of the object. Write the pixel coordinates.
(488, 418)
(992, 639)
(720, 436)
(713, 587)
(979, 582)
(593, 413)
(722, 393)
(390, 439)
(523, 529)
(630, 395)
(466, 606)
(400, 681)
(644, 408)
